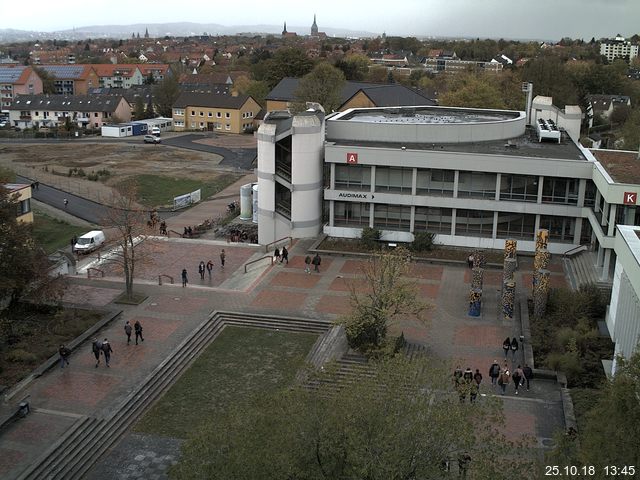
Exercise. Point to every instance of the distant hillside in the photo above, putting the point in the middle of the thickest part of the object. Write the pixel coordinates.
(179, 29)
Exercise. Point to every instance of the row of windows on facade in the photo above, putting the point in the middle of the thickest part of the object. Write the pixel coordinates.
(474, 223)
(27, 113)
(180, 113)
(470, 184)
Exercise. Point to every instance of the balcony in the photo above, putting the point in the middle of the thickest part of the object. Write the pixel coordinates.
(25, 117)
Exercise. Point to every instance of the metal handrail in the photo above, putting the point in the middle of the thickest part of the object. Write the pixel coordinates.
(96, 269)
(266, 247)
(164, 275)
(257, 260)
(575, 249)
(169, 232)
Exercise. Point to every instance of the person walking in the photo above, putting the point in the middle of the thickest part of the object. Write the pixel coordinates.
(107, 350)
(184, 277)
(514, 347)
(503, 380)
(494, 372)
(96, 347)
(477, 377)
(74, 240)
(66, 202)
(307, 264)
(201, 269)
(222, 257)
(468, 375)
(474, 388)
(316, 262)
(470, 261)
(64, 353)
(209, 268)
(506, 346)
(127, 331)
(517, 378)
(285, 255)
(528, 374)
(276, 254)
(138, 328)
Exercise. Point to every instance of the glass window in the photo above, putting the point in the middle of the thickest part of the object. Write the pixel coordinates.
(218, 115)
(435, 182)
(477, 185)
(349, 214)
(392, 217)
(227, 115)
(353, 177)
(432, 219)
(523, 188)
(590, 194)
(391, 179)
(516, 225)
(561, 229)
(476, 223)
(560, 190)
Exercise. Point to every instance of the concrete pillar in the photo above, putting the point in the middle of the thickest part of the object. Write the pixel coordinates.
(604, 276)
(456, 179)
(582, 190)
(599, 256)
(371, 213)
(414, 183)
(498, 183)
(494, 231)
(536, 225)
(612, 220)
(412, 222)
(540, 185)
(577, 233)
(332, 175)
(373, 179)
(453, 222)
(332, 210)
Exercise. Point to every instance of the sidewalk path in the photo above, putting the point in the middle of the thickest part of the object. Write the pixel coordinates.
(170, 313)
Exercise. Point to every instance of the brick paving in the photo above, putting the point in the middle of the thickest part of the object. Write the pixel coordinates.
(170, 313)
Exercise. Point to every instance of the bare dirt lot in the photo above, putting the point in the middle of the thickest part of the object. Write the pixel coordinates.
(50, 163)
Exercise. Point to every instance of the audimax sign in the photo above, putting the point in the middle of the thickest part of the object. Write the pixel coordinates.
(363, 196)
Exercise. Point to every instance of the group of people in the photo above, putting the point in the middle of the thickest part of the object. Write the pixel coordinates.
(281, 255)
(202, 268)
(502, 376)
(467, 383)
(510, 345)
(315, 261)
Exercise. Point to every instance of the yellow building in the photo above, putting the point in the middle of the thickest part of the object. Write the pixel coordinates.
(214, 112)
(23, 200)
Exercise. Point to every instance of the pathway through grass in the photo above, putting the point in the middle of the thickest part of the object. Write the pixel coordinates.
(238, 364)
(51, 233)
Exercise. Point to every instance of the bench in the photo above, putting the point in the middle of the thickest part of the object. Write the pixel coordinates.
(21, 411)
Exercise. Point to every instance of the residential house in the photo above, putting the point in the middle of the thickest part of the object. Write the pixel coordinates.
(354, 95)
(440, 61)
(157, 70)
(23, 199)
(214, 112)
(72, 79)
(17, 80)
(118, 75)
(604, 105)
(84, 111)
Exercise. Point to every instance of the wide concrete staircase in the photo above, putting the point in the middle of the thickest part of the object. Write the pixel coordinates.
(75, 453)
(581, 270)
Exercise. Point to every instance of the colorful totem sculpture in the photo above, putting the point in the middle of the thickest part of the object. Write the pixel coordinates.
(475, 302)
(508, 279)
(541, 293)
(508, 299)
(477, 277)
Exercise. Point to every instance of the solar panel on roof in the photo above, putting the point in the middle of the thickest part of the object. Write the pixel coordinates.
(10, 74)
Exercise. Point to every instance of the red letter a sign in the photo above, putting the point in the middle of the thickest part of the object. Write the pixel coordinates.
(352, 158)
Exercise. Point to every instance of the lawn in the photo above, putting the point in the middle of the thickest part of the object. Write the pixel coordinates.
(239, 363)
(32, 334)
(51, 233)
(159, 191)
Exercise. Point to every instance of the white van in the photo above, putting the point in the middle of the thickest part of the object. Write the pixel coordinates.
(155, 131)
(89, 241)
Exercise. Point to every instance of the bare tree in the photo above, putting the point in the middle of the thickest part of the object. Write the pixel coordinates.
(131, 226)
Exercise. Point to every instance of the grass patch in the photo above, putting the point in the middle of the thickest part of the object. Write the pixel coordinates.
(52, 234)
(159, 190)
(31, 334)
(238, 364)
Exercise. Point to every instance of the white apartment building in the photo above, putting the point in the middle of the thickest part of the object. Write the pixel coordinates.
(618, 47)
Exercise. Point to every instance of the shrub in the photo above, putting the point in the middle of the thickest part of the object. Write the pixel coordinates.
(423, 242)
(21, 356)
(568, 363)
(93, 177)
(370, 237)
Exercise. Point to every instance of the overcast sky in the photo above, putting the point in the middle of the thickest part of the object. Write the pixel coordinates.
(540, 19)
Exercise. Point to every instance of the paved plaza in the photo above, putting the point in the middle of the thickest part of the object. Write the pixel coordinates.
(171, 312)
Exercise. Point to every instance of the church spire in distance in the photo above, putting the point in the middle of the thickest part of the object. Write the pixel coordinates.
(314, 27)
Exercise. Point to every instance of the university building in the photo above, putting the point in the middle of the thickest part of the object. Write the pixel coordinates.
(473, 177)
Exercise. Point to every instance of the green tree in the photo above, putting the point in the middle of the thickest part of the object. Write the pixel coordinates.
(165, 94)
(138, 108)
(401, 421)
(48, 82)
(631, 131)
(616, 418)
(150, 79)
(24, 264)
(473, 90)
(149, 112)
(286, 62)
(322, 85)
(387, 293)
(354, 67)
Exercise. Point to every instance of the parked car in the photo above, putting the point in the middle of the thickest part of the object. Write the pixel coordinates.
(89, 242)
(152, 139)
(155, 131)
